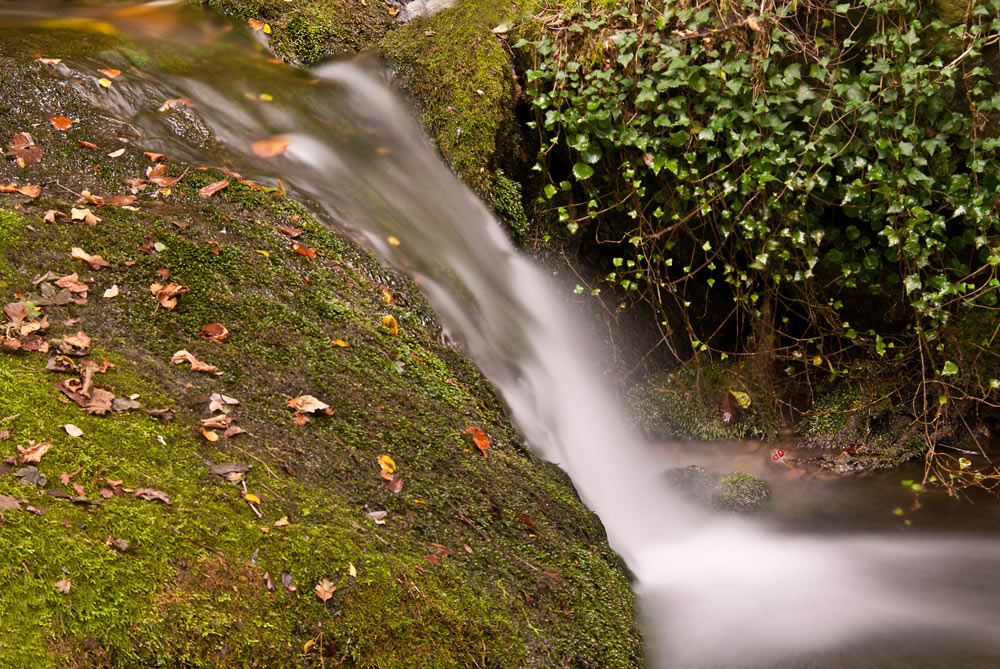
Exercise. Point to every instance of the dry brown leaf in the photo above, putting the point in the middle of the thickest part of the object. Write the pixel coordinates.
(78, 489)
(111, 292)
(215, 331)
(220, 422)
(73, 430)
(307, 404)
(88, 145)
(51, 215)
(72, 283)
(324, 589)
(271, 147)
(85, 215)
(213, 188)
(27, 190)
(167, 294)
(22, 146)
(157, 174)
(304, 250)
(197, 365)
(291, 232)
(61, 122)
(153, 156)
(63, 586)
(174, 102)
(232, 431)
(209, 435)
(151, 494)
(95, 261)
(34, 452)
(300, 418)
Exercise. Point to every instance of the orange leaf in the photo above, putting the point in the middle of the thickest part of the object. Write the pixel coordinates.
(34, 452)
(111, 74)
(209, 434)
(271, 147)
(61, 122)
(324, 589)
(304, 250)
(153, 156)
(48, 61)
(95, 262)
(213, 188)
(197, 365)
(167, 295)
(215, 331)
(174, 102)
(480, 439)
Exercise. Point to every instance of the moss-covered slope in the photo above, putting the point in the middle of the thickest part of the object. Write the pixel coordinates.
(481, 561)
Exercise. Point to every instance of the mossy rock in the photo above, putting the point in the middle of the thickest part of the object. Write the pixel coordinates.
(735, 492)
(481, 561)
(684, 403)
(308, 31)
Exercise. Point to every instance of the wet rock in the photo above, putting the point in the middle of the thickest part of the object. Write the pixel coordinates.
(735, 492)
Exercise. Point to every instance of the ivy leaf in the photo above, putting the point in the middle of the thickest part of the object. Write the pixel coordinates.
(583, 171)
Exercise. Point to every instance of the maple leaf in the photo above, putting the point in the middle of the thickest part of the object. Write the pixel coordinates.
(213, 188)
(167, 294)
(197, 365)
(324, 590)
(95, 261)
(271, 147)
(307, 404)
(34, 452)
(480, 439)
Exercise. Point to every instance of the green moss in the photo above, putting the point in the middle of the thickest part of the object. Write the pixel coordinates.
(459, 73)
(310, 30)
(505, 196)
(685, 403)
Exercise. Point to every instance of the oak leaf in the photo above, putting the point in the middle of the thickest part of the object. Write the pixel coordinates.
(34, 452)
(324, 589)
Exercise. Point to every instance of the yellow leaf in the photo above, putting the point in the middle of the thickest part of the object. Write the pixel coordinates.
(252, 498)
(266, 97)
(387, 464)
(390, 324)
(307, 645)
(817, 361)
(741, 397)
(351, 571)
(340, 342)
(104, 82)
(393, 241)
(264, 253)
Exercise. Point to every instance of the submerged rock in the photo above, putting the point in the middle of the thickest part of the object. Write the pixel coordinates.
(737, 492)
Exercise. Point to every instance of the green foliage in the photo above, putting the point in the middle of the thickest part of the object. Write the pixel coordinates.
(805, 156)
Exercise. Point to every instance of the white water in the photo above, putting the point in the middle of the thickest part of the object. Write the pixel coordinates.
(714, 591)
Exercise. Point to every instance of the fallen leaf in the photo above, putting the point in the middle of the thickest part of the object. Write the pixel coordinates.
(259, 26)
(110, 74)
(78, 489)
(340, 342)
(174, 102)
(285, 230)
(387, 464)
(151, 494)
(106, 493)
(120, 545)
(433, 559)
(480, 439)
(324, 590)
(378, 516)
(304, 250)
(63, 586)
(213, 188)
(124, 404)
(48, 61)
(121, 200)
(27, 190)
(232, 431)
(88, 145)
(307, 404)
(390, 324)
(230, 471)
(197, 365)
(300, 418)
(30, 476)
(22, 146)
(351, 571)
(73, 430)
(209, 434)
(72, 283)
(217, 422)
(218, 400)
(167, 294)
(268, 583)
(95, 261)
(34, 452)
(286, 581)
(51, 215)
(282, 522)
(395, 484)
(468, 548)
(215, 331)
(117, 152)
(111, 292)
(271, 147)
(153, 156)
(387, 297)
(252, 498)
(61, 123)
(8, 503)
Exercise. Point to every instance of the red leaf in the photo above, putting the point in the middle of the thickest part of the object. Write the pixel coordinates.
(213, 188)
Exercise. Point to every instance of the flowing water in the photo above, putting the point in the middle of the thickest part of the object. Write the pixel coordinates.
(714, 591)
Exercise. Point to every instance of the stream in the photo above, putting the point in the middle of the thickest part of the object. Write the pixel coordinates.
(831, 578)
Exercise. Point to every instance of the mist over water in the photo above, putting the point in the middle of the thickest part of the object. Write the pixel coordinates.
(714, 591)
